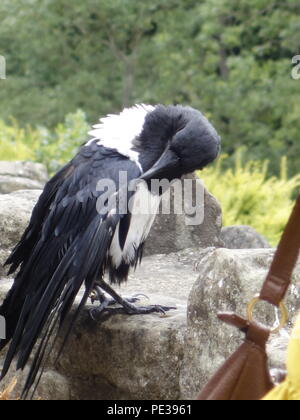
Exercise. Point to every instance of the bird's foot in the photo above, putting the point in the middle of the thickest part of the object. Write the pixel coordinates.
(106, 303)
(98, 295)
(126, 306)
(129, 309)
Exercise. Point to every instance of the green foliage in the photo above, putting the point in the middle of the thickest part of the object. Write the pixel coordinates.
(51, 147)
(229, 58)
(249, 197)
(57, 147)
(17, 143)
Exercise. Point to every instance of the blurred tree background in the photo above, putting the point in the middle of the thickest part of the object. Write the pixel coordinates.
(229, 58)
(232, 59)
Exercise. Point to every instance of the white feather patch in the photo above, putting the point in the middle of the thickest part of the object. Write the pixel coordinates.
(119, 131)
(144, 209)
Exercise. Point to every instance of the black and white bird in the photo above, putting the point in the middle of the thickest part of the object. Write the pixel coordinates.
(71, 242)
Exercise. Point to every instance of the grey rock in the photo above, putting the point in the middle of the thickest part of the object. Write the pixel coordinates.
(4, 253)
(139, 356)
(243, 237)
(53, 386)
(228, 280)
(168, 275)
(153, 345)
(136, 357)
(16, 176)
(9, 184)
(170, 232)
(15, 212)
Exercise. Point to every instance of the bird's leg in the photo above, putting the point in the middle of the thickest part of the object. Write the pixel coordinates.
(127, 306)
(98, 295)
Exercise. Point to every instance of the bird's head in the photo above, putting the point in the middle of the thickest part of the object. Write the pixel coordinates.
(164, 141)
(185, 139)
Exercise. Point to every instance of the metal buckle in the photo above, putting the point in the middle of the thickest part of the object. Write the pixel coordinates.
(282, 308)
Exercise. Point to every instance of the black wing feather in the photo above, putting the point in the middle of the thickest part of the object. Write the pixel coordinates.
(65, 245)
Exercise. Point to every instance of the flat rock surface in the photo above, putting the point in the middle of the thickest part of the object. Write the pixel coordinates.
(170, 275)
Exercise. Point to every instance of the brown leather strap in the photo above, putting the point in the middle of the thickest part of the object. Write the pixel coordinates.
(279, 277)
(254, 332)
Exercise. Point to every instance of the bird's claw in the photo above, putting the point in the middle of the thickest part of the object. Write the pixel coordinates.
(126, 305)
(143, 310)
(130, 309)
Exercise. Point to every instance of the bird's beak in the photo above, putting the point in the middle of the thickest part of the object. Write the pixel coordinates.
(168, 161)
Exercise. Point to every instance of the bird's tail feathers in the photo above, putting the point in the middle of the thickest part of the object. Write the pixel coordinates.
(47, 304)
